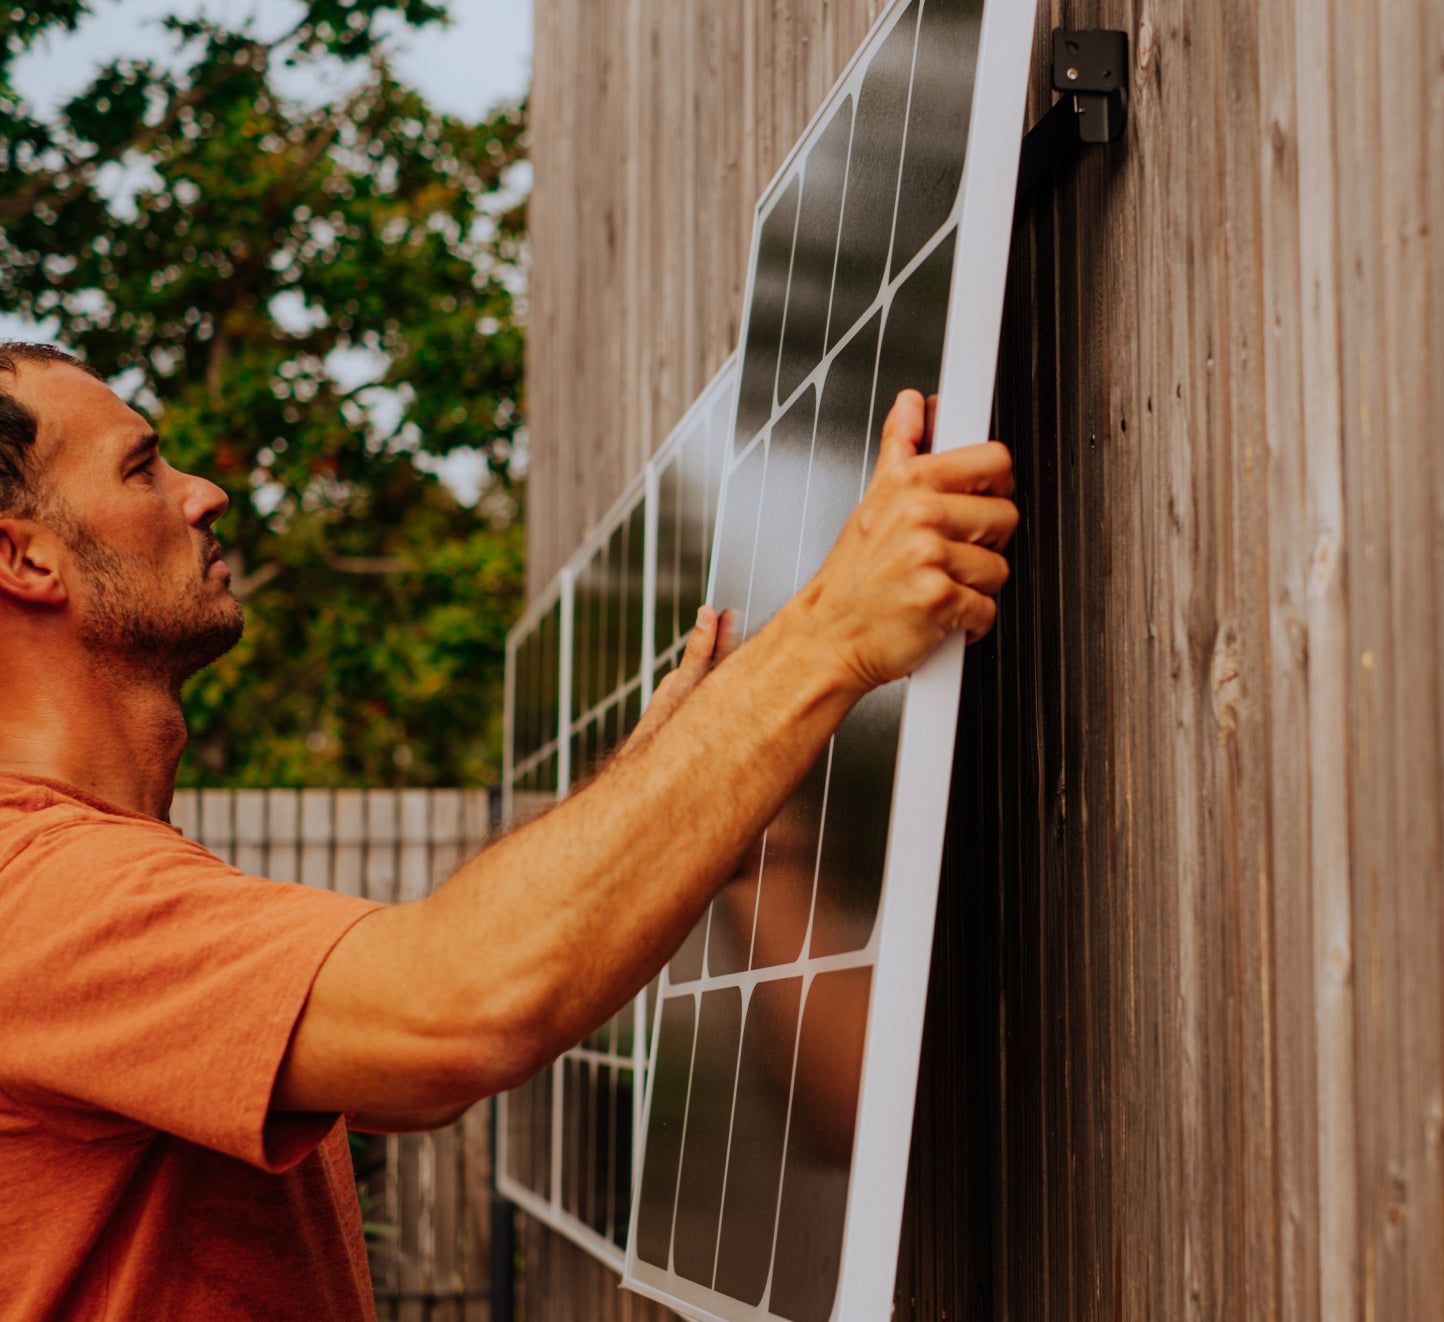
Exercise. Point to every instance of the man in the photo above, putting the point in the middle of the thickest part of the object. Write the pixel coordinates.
(178, 1041)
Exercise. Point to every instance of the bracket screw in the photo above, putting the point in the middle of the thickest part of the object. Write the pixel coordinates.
(1072, 75)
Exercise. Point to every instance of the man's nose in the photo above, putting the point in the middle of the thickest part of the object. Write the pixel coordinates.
(205, 502)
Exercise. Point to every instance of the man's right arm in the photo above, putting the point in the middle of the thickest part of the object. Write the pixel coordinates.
(426, 1007)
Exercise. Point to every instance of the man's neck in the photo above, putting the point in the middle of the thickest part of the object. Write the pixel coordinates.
(117, 737)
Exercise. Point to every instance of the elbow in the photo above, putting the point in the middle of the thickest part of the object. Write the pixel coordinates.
(489, 1013)
(497, 1039)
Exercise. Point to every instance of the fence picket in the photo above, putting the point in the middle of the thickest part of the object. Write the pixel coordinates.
(475, 819)
(283, 828)
(217, 829)
(415, 852)
(349, 861)
(250, 819)
(185, 813)
(381, 834)
(318, 833)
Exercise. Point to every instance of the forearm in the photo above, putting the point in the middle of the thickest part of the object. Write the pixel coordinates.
(595, 896)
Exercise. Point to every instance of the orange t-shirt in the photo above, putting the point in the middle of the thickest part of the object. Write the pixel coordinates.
(147, 995)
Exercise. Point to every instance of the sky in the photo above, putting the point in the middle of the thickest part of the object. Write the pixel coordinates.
(484, 57)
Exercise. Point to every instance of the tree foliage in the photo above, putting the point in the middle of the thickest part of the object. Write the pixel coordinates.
(318, 303)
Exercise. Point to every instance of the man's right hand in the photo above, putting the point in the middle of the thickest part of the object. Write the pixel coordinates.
(918, 558)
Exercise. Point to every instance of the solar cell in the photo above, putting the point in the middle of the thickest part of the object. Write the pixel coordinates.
(593, 647)
(772, 266)
(607, 643)
(775, 1144)
(529, 773)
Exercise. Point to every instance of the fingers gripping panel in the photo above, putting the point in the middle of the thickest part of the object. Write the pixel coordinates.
(748, 1162)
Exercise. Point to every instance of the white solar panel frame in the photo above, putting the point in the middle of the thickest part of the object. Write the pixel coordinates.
(550, 1209)
(902, 938)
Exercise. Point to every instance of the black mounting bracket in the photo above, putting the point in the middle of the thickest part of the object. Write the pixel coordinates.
(1090, 68)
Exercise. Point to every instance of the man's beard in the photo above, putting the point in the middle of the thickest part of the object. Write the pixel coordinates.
(135, 626)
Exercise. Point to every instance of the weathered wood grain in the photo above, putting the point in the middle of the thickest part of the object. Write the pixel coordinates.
(1183, 1055)
(655, 126)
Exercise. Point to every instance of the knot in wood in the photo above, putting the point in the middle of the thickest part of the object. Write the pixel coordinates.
(1225, 683)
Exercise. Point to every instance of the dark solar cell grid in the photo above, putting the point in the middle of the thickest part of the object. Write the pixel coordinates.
(570, 1131)
(607, 643)
(757, 1071)
(536, 708)
(594, 1082)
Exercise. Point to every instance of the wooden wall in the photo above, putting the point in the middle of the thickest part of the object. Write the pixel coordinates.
(1185, 1045)
(655, 126)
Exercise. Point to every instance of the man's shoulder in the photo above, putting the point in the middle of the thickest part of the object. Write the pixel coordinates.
(47, 814)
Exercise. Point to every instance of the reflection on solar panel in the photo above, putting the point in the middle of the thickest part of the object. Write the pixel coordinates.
(581, 666)
(775, 1146)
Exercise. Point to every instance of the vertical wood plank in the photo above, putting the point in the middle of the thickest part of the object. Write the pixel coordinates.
(217, 823)
(474, 1253)
(445, 836)
(382, 832)
(392, 1276)
(475, 819)
(418, 1220)
(1412, 1213)
(1295, 1110)
(446, 1275)
(349, 859)
(283, 835)
(414, 860)
(185, 813)
(317, 836)
(1369, 585)
(250, 815)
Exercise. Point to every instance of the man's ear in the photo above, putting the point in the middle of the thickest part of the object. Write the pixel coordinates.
(30, 564)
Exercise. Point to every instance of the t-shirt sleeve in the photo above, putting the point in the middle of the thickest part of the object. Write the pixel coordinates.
(144, 979)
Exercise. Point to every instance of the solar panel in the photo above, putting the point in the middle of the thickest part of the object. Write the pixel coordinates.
(779, 1106)
(581, 666)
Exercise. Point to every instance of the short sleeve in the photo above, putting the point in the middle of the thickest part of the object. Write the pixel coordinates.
(145, 979)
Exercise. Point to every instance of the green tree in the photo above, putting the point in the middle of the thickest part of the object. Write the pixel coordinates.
(233, 259)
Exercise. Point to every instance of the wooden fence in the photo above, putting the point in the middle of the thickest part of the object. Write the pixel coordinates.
(429, 1195)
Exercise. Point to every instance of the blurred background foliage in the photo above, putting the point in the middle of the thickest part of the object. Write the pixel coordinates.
(322, 307)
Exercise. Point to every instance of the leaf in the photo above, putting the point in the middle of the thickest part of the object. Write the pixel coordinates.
(315, 303)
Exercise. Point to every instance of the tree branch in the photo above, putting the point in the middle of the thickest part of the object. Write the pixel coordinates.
(42, 187)
(245, 588)
(366, 564)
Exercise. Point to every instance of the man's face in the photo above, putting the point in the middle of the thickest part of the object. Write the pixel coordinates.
(151, 595)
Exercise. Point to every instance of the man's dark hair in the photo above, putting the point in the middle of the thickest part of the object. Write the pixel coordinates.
(19, 476)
